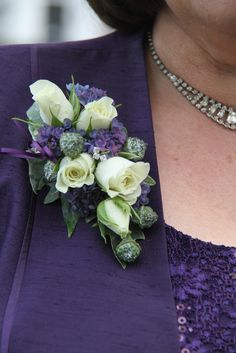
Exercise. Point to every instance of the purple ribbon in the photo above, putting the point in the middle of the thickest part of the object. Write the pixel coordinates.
(13, 152)
(44, 152)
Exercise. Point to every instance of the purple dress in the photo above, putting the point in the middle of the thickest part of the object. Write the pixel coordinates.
(70, 296)
(203, 277)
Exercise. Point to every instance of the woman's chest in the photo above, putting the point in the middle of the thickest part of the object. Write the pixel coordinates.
(196, 160)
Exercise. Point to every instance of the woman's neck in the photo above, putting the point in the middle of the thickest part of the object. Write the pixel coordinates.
(204, 57)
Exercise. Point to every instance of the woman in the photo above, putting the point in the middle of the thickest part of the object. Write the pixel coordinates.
(69, 296)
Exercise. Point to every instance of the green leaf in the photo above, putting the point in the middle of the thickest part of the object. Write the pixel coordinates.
(36, 174)
(115, 240)
(28, 122)
(134, 215)
(128, 155)
(52, 195)
(150, 181)
(103, 231)
(71, 217)
(57, 165)
(136, 233)
(35, 120)
(90, 218)
(125, 207)
(55, 122)
(74, 101)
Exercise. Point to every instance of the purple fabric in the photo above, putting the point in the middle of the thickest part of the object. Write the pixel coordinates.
(60, 295)
(204, 286)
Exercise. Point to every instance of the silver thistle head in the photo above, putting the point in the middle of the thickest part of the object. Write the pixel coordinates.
(71, 144)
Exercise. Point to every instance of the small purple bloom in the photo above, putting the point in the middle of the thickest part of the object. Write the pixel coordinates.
(143, 198)
(87, 94)
(109, 142)
(86, 199)
(50, 135)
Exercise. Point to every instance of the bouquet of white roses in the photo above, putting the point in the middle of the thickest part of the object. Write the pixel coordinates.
(83, 154)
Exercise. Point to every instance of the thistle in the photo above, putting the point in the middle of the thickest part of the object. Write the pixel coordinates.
(147, 217)
(71, 144)
(135, 147)
(49, 172)
(128, 250)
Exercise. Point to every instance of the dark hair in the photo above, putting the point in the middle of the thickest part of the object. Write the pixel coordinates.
(126, 15)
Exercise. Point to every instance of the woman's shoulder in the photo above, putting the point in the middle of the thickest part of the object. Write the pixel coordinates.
(114, 39)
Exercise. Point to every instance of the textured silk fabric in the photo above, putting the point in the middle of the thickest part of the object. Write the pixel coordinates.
(203, 277)
(71, 296)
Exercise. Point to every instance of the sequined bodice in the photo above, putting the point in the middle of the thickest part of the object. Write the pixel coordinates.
(203, 278)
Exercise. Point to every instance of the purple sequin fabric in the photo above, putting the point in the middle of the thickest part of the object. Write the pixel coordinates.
(203, 277)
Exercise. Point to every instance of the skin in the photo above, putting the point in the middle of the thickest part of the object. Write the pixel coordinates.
(196, 40)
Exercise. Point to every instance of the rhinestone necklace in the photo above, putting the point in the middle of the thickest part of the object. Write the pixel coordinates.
(217, 111)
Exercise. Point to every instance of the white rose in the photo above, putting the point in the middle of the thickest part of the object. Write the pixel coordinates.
(120, 177)
(51, 100)
(97, 114)
(115, 215)
(75, 173)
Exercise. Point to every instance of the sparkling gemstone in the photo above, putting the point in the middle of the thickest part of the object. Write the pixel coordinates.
(198, 105)
(221, 113)
(180, 88)
(204, 102)
(189, 97)
(212, 109)
(173, 78)
(162, 66)
(176, 84)
(189, 88)
(184, 93)
(184, 84)
(195, 91)
(203, 110)
(231, 119)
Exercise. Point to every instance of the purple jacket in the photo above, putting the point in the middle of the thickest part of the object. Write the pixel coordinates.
(71, 296)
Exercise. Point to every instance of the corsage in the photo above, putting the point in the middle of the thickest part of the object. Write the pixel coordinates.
(83, 154)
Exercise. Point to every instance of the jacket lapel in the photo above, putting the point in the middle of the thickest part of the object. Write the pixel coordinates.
(74, 294)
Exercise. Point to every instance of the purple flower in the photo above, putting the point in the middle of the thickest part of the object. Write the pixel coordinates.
(86, 93)
(86, 199)
(109, 142)
(50, 135)
(143, 198)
